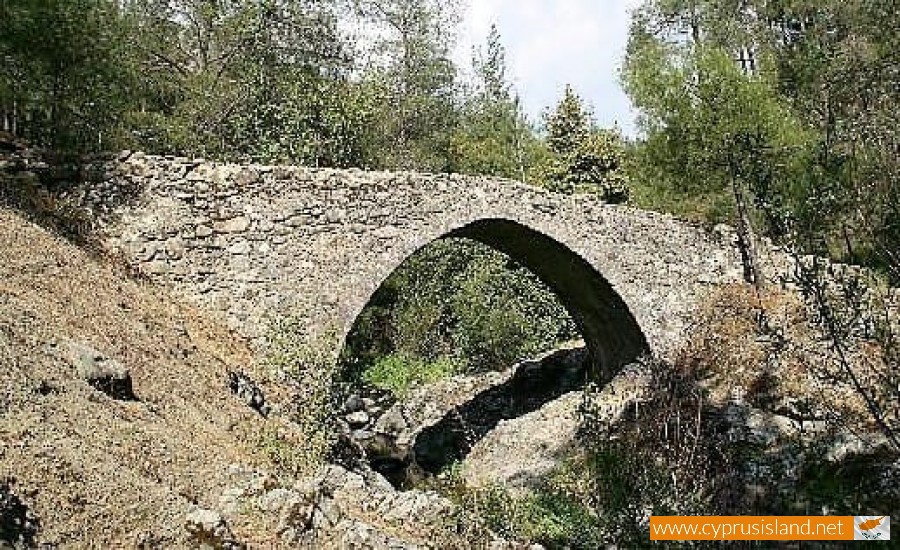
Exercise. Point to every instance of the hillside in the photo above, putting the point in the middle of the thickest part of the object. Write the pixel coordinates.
(90, 467)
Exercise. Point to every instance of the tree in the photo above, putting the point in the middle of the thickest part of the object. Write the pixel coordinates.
(834, 65)
(266, 79)
(413, 84)
(61, 78)
(710, 126)
(493, 136)
(568, 125)
(801, 129)
(582, 156)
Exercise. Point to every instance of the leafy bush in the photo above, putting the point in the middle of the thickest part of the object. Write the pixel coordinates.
(458, 304)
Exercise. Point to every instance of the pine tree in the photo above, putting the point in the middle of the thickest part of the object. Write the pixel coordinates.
(582, 156)
(493, 136)
(568, 125)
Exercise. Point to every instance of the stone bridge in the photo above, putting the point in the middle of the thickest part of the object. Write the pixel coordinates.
(258, 242)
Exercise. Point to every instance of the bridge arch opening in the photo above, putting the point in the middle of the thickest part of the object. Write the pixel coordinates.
(611, 334)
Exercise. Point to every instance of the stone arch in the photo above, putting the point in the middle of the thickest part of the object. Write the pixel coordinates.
(612, 334)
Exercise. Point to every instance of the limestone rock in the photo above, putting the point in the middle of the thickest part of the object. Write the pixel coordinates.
(239, 224)
(357, 419)
(207, 528)
(246, 389)
(203, 231)
(98, 370)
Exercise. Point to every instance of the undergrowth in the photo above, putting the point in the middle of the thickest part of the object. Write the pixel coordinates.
(399, 373)
(309, 370)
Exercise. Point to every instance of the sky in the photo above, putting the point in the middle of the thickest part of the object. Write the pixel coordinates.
(551, 43)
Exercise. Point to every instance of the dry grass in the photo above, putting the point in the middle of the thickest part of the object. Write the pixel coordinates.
(786, 359)
(99, 472)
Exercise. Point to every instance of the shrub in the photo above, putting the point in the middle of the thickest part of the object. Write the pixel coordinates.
(459, 301)
(548, 515)
(308, 369)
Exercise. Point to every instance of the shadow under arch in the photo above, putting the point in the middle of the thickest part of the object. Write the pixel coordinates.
(611, 333)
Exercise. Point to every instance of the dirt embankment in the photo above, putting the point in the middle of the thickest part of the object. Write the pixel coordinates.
(91, 469)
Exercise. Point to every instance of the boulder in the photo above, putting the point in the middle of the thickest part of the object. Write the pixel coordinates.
(357, 419)
(100, 371)
(207, 528)
(246, 389)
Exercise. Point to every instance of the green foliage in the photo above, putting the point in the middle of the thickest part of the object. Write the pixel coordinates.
(493, 137)
(64, 76)
(307, 366)
(581, 156)
(545, 516)
(414, 82)
(455, 303)
(649, 191)
(399, 374)
(259, 80)
(551, 514)
(793, 101)
(568, 125)
(707, 123)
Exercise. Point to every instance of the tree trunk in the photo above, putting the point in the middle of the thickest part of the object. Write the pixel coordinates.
(747, 238)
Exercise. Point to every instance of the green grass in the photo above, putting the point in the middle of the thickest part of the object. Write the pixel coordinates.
(400, 374)
(546, 516)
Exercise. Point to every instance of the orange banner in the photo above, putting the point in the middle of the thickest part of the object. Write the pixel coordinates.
(751, 528)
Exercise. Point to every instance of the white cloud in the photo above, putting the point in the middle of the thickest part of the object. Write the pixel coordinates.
(553, 43)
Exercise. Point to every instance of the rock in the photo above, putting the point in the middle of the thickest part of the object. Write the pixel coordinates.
(354, 403)
(157, 268)
(295, 510)
(246, 389)
(362, 436)
(246, 177)
(392, 422)
(234, 225)
(239, 248)
(175, 249)
(203, 231)
(326, 515)
(101, 372)
(357, 419)
(18, 526)
(208, 529)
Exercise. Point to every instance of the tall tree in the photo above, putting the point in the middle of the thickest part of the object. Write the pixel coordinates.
(62, 82)
(415, 81)
(264, 79)
(711, 123)
(568, 124)
(581, 155)
(834, 65)
(493, 136)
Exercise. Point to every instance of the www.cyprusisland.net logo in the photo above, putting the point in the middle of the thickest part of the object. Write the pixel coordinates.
(872, 528)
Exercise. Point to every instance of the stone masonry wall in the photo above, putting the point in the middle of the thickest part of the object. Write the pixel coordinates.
(255, 242)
